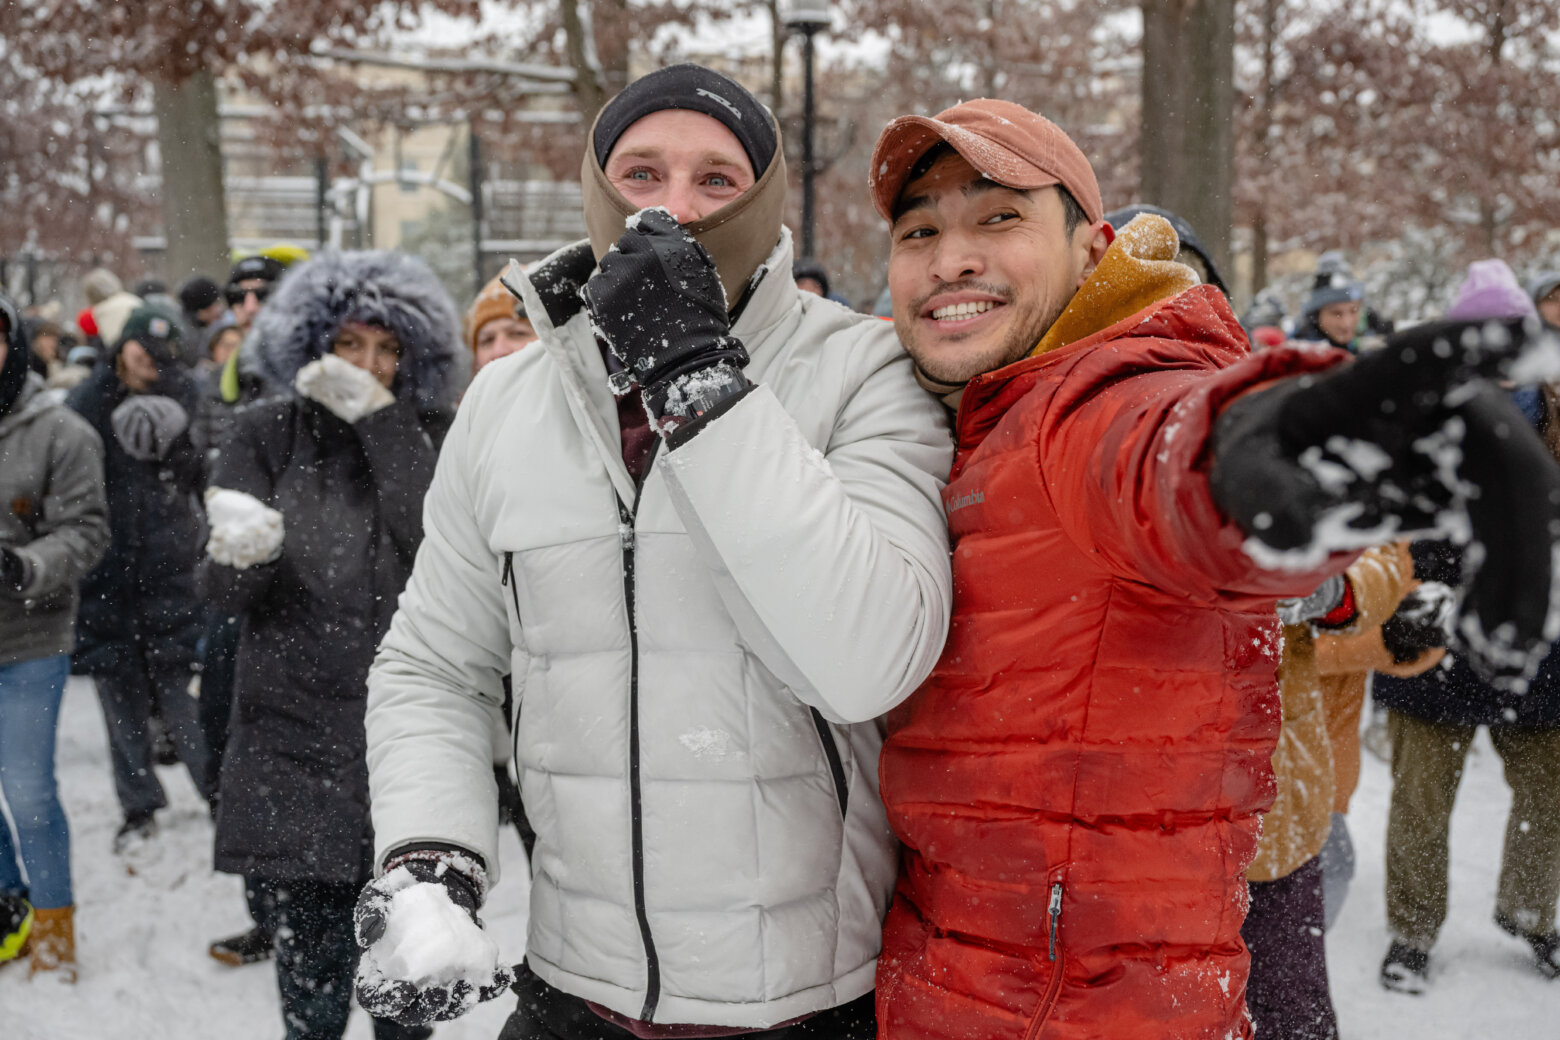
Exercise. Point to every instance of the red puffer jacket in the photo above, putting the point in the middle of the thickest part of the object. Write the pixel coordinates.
(1079, 782)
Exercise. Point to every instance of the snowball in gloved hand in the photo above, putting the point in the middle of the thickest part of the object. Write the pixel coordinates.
(245, 532)
(348, 391)
(425, 957)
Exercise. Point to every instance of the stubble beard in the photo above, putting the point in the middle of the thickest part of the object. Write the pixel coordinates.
(956, 368)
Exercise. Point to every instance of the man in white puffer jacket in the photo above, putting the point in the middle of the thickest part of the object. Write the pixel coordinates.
(701, 633)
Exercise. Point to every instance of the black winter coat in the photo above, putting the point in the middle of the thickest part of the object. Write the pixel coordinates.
(1452, 692)
(142, 597)
(294, 780)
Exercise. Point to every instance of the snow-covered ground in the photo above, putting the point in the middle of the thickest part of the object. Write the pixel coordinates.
(145, 973)
(141, 940)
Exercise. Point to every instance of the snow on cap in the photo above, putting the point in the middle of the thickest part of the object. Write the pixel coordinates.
(1005, 143)
(1490, 291)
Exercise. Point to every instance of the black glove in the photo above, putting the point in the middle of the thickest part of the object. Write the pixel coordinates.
(408, 1001)
(1419, 623)
(657, 301)
(13, 570)
(1408, 440)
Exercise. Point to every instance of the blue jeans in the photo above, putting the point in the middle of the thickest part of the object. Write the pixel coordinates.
(30, 694)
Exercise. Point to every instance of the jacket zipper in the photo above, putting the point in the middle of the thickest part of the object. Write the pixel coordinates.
(510, 580)
(1055, 912)
(1058, 965)
(831, 752)
(627, 539)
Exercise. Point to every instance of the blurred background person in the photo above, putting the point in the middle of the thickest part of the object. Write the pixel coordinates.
(54, 529)
(496, 325)
(1432, 720)
(332, 475)
(140, 617)
(202, 301)
(1544, 288)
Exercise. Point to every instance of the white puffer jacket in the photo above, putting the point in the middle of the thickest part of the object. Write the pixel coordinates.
(696, 674)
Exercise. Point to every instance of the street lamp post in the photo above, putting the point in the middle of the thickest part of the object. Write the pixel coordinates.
(809, 19)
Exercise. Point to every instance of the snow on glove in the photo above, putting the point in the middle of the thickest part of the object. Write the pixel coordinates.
(348, 391)
(1410, 440)
(425, 957)
(245, 532)
(657, 301)
(1421, 622)
(146, 425)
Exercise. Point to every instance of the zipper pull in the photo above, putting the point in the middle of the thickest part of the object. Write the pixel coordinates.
(509, 569)
(1056, 914)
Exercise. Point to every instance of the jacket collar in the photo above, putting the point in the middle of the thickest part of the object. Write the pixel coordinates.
(1197, 323)
(32, 401)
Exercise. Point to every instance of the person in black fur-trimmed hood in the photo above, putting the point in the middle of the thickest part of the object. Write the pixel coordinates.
(315, 508)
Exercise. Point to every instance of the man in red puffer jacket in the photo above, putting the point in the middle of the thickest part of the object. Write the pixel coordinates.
(1080, 781)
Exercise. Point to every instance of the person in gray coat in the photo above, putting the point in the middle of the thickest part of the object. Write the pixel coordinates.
(53, 529)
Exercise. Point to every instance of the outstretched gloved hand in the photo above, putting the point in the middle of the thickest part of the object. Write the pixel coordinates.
(1411, 440)
(657, 301)
(245, 532)
(425, 957)
(348, 391)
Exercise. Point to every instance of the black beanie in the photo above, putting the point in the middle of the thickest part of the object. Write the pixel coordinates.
(697, 89)
(268, 268)
(199, 293)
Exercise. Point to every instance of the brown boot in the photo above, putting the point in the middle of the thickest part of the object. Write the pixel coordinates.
(53, 942)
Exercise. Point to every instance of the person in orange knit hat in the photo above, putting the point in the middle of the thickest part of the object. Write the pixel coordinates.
(1078, 785)
(496, 325)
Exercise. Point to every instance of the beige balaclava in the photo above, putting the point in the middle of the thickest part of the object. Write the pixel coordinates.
(740, 235)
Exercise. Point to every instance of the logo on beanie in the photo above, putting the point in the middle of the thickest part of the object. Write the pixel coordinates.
(158, 327)
(716, 97)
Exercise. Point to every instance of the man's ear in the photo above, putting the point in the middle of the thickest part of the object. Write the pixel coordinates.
(1090, 244)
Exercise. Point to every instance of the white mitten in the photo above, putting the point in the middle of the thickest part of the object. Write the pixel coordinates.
(245, 531)
(345, 389)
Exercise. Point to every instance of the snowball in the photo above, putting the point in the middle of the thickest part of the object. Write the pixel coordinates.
(244, 530)
(429, 941)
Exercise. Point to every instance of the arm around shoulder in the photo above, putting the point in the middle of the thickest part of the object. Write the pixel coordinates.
(833, 563)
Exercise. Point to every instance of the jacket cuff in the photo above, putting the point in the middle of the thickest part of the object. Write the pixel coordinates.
(687, 429)
(461, 862)
(16, 571)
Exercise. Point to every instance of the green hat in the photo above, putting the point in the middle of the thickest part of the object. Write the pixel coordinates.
(155, 330)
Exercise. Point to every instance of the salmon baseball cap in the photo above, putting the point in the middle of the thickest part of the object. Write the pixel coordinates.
(1005, 143)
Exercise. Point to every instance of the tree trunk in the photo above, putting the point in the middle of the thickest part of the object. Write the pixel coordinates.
(1186, 147)
(776, 60)
(1259, 254)
(1264, 131)
(580, 40)
(193, 202)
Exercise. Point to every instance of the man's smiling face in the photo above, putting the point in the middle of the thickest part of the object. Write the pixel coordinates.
(979, 271)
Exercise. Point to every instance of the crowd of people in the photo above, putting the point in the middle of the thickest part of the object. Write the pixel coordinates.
(997, 670)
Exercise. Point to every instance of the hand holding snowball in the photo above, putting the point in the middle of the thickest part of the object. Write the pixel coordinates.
(245, 532)
(425, 956)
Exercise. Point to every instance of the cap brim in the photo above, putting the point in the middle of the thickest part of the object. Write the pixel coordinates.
(907, 138)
